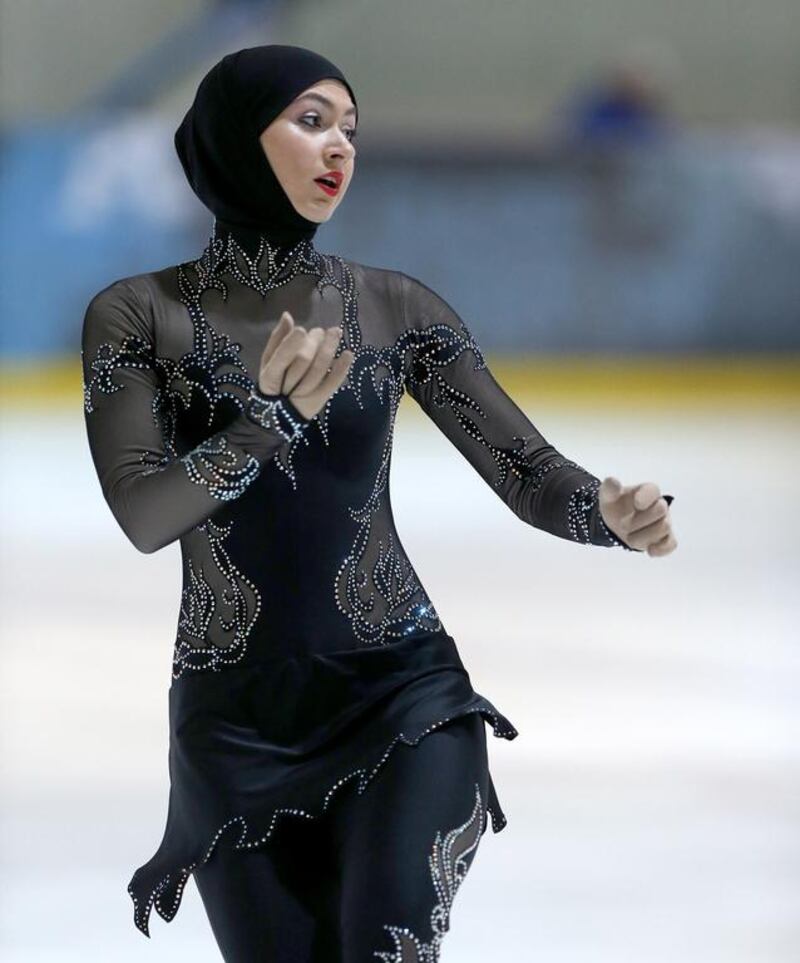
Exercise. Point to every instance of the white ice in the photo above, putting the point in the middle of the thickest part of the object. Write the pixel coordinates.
(652, 796)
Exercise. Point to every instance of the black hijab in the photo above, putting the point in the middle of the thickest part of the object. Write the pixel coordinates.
(218, 140)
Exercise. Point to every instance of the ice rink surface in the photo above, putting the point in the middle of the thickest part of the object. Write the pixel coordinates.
(652, 796)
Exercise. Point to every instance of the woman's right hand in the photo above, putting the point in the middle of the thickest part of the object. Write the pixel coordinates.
(295, 362)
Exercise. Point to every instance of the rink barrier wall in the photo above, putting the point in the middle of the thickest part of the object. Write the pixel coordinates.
(567, 380)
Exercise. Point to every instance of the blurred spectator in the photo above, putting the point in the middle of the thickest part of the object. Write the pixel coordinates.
(626, 104)
(606, 133)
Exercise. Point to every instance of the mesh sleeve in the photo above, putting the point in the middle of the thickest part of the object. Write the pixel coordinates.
(446, 374)
(154, 494)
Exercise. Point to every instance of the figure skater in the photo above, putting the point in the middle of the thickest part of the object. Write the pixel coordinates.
(329, 781)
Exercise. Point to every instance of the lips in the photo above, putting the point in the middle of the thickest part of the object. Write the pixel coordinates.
(330, 182)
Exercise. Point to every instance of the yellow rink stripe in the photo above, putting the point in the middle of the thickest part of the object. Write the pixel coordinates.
(580, 380)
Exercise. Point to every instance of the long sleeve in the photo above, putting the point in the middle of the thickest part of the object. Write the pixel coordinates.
(155, 494)
(446, 374)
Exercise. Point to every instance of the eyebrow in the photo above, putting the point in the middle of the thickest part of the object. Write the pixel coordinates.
(326, 101)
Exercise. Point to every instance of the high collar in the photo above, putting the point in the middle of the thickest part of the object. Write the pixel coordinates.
(257, 259)
(251, 239)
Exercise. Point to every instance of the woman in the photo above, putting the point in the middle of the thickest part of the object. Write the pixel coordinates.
(328, 763)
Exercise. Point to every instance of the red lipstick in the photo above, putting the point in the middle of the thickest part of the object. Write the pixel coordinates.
(330, 182)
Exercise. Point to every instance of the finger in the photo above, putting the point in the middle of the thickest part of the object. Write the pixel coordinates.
(315, 374)
(281, 329)
(302, 360)
(334, 378)
(639, 505)
(645, 494)
(646, 535)
(271, 377)
(637, 520)
(332, 381)
(339, 369)
(663, 547)
(616, 496)
(612, 487)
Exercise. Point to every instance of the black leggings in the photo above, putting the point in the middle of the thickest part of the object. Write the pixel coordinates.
(373, 877)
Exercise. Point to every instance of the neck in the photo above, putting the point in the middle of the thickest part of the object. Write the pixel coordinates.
(259, 260)
(274, 240)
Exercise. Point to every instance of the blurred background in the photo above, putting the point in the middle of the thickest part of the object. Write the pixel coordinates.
(609, 195)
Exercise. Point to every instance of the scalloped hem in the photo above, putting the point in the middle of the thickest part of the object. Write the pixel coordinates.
(167, 894)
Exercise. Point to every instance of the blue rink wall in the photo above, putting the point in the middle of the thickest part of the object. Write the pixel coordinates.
(690, 247)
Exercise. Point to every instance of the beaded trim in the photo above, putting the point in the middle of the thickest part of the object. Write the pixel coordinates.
(405, 607)
(141, 914)
(376, 586)
(271, 412)
(450, 858)
(219, 592)
(268, 268)
(215, 463)
(582, 503)
(133, 352)
(612, 537)
(215, 354)
(437, 346)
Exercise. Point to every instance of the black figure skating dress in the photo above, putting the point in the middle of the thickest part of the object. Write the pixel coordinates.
(306, 647)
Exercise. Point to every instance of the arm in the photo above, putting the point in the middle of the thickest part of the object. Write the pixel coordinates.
(156, 495)
(447, 376)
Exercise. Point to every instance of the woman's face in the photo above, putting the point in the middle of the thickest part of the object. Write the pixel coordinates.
(313, 137)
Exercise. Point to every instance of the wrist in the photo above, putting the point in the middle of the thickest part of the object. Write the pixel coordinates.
(276, 412)
(611, 536)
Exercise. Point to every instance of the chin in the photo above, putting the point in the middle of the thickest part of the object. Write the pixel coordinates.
(319, 216)
(319, 213)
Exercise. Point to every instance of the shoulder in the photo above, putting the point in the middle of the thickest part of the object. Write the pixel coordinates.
(422, 305)
(398, 285)
(133, 287)
(122, 305)
(373, 277)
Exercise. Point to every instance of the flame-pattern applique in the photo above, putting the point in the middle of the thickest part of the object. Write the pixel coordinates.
(449, 860)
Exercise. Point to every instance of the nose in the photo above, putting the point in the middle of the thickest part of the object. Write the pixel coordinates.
(342, 147)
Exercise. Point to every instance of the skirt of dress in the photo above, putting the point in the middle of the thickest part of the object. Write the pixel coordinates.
(276, 739)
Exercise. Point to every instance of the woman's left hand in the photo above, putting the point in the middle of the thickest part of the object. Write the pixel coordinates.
(637, 514)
